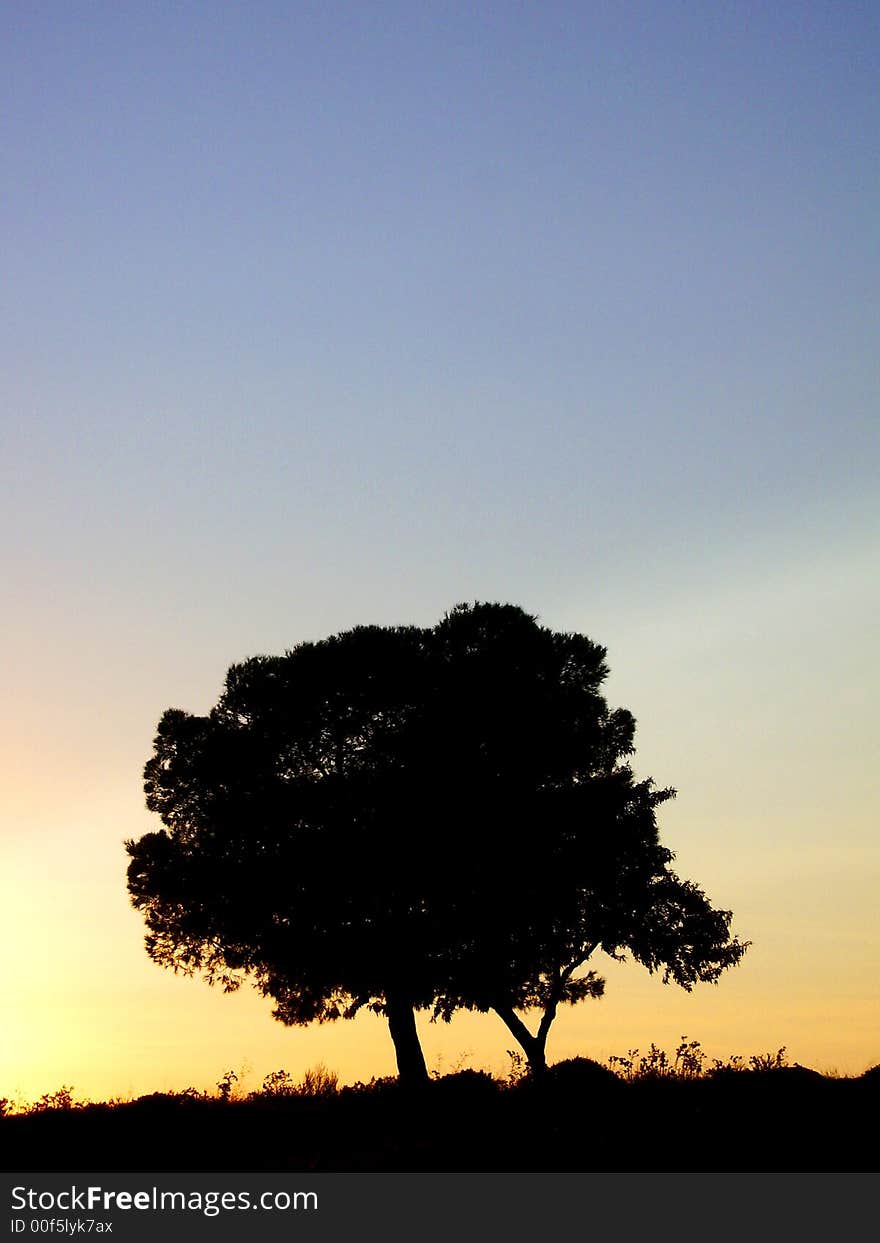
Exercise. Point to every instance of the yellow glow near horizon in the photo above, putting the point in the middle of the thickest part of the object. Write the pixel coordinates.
(769, 745)
(89, 1010)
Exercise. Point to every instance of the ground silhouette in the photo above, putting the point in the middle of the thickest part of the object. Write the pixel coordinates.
(579, 1117)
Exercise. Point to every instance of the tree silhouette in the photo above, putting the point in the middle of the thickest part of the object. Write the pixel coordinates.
(405, 818)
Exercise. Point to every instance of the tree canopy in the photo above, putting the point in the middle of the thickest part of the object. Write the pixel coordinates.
(415, 818)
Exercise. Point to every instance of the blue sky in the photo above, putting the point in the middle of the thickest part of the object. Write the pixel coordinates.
(319, 314)
(479, 266)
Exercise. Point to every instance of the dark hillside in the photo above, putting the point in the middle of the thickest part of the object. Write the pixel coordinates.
(581, 1118)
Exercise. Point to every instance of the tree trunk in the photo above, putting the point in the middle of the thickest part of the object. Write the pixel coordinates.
(534, 1047)
(411, 1069)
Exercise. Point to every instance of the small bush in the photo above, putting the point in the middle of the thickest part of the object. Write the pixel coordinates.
(467, 1083)
(733, 1065)
(226, 1084)
(318, 1081)
(769, 1061)
(376, 1086)
(575, 1072)
(689, 1062)
(60, 1099)
(187, 1095)
(651, 1065)
(519, 1068)
(277, 1083)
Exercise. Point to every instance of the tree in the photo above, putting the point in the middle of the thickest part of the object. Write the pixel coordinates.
(405, 818)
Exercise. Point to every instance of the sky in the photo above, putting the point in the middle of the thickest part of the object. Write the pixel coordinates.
(316, 315)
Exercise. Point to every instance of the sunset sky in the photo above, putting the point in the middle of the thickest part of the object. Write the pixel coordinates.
(319, 314)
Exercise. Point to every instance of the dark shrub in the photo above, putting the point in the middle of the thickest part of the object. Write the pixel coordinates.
(577, 1073)
(465, 1084)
